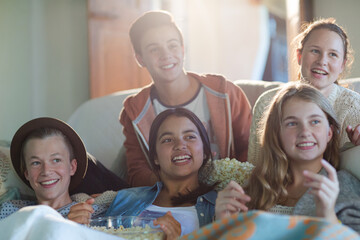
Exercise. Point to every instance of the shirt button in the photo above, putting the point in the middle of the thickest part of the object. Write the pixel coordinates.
(201, 214)
(201, 199)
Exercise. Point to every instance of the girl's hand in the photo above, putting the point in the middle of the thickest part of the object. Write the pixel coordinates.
(81, 212)
(325, 189)
(354, 134)
(230, 200)
(169, 225)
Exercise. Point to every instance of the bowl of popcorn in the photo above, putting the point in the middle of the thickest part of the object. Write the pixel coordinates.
(224, 170)
(128, 227)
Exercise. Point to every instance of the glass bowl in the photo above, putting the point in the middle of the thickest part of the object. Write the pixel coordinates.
(128, 227)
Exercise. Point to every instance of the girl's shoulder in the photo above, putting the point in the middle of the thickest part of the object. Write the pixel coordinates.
(345, 94)
(348, 183)
(265, 98)
(345, 175)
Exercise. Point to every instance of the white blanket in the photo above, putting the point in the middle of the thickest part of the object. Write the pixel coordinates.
(44, 223)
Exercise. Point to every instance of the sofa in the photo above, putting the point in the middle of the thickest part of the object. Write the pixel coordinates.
(97, 122)
(105, 138)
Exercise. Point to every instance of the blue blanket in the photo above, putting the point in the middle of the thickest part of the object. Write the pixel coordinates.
(263, 225)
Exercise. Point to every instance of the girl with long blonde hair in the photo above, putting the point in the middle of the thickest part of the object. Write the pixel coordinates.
(297, 174)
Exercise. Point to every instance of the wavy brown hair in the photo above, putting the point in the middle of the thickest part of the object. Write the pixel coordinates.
(331, 25)
(272, 175)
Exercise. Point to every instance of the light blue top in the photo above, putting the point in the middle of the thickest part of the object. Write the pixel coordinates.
(132, 201)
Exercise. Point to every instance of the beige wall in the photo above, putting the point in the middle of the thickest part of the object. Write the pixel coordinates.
(43, 60)
(229, 37)
(347, 15)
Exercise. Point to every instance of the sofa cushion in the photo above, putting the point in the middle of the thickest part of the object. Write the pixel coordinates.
(350, 161)
(10, 182)
(97, 123)
(253, 89)
(351, 83)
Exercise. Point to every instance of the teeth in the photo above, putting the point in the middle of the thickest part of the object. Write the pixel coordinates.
(182, 158)
(168, 66)
(319, 71)
(305, 144)
(181, 161)
(49, 182)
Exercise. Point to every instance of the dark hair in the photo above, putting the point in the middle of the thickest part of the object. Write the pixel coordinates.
(331, 25)
(149, 20)
(42, 133)
(182, 112)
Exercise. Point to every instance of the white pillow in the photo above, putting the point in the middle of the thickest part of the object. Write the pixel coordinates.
(8, 177)
(350, 161)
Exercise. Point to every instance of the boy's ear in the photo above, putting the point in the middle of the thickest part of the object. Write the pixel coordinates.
(139, 60)
(73, 166)
(298, 56)
(26, 174)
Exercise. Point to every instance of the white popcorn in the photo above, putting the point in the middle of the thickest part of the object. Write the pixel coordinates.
(225, 170)
(137, 233)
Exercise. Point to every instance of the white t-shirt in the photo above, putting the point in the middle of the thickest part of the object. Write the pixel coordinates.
(197, 105)
(186, 216)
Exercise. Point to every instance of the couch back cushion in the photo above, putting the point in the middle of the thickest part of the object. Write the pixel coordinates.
(97, 123)
(253, 89)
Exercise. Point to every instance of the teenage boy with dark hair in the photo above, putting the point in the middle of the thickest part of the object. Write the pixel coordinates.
(221, 105)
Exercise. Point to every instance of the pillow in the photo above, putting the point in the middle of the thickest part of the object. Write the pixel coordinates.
(9, 179)
(350, 161)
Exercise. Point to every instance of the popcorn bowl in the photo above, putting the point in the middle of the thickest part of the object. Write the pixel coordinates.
(128, 227)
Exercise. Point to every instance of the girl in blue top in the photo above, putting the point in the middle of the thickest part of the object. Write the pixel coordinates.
(179, 149)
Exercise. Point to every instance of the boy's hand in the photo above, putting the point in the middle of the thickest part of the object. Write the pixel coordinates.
(81, 212)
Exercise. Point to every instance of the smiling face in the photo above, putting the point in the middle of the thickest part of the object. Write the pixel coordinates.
(322, 59)
(304, 131)
(179, 149)
(49, 169)
(162, 53)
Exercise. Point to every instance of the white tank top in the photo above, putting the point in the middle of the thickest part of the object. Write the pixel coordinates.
(186, 216)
